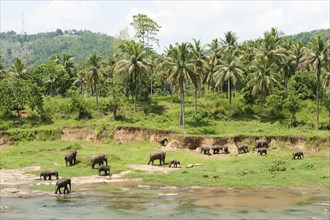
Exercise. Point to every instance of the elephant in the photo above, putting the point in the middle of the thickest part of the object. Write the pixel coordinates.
(216, 149)
(175, 163)
(243, 149)
(298, 154)
(98, 159)
(49, 174)
(262, 151)
(105, 169)
(157, 156)
(63, 183)
(162, 141)
(225, 150)
(205, 150)
(71, 157)
(260, 144)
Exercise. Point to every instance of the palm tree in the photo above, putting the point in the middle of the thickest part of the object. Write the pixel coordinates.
(263, 78)
(134, 63)
(213, 59)
(230, 71)
(80, 78)
(66, 61)
(180, 69)
(94, 74)
(198, 58)
(315, 56)
(18, 69)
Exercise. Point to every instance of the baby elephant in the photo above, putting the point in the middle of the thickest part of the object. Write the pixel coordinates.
(205, 150)
(105, 169)
(262, 151)
(243, 149)
(162, 141)
(49, 174)
(298, 154)
(175, 163)
(216, 149)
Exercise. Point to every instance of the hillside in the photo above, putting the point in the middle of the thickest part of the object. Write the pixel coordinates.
(304, 37)
(38, 48)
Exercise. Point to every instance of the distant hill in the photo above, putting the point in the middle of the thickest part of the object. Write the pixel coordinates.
(38, 48)
(304, 37)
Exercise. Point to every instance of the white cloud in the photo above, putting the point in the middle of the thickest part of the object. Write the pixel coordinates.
(62, 14)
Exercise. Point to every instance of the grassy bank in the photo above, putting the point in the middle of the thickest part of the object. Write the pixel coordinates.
(277, 169)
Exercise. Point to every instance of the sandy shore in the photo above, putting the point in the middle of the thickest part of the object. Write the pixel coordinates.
(16, 182)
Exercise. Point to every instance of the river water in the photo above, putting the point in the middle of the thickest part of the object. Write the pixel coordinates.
(148, 202)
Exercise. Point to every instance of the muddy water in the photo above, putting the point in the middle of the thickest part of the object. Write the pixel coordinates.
(148, 202)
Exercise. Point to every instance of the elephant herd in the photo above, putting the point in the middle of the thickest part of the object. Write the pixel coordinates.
(70, 159)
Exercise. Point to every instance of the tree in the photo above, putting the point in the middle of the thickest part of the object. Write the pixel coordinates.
(180, 69)
(18, 69)
(94, 74)
(146, 29)
(315, 56)
(16, 93)
(263, 78)
(133, 63)
(229, 71)
(198, 58)
(52, 78)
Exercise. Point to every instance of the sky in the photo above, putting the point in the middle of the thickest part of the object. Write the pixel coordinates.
(180, 21)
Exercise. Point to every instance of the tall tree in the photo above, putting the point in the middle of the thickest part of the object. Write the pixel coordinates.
(229, 71)
(95, 74)
(180, 69)
(133, 63)
(263, 78)
(199, 59)
(146, 29)
(315, 56)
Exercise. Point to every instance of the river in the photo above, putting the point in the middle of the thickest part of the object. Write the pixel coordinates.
(151, 202)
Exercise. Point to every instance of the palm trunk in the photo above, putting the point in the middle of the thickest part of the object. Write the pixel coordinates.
(135, 90)
(96, 96)
(195, 101)
(261, 107)
(318, 95)
(182, 116)
(229, 97)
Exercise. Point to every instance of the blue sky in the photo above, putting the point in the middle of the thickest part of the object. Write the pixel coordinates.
(181, 21)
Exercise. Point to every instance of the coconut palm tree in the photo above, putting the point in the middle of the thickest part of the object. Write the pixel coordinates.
(180, 69)
(199, 59)
(134, 63)
(263, 78)
(94, 74)
(229, 71)
(315, 56)
(18, 69)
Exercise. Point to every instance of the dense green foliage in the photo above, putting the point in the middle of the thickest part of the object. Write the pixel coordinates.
(305, 37)
(39, 48)
(270, 80)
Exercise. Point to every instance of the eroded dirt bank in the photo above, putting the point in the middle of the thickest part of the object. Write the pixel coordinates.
(125, 134)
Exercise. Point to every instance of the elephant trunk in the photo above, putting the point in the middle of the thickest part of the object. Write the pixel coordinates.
(106, 162)
(70, 186)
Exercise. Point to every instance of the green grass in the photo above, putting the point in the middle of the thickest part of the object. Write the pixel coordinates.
(276, 170)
